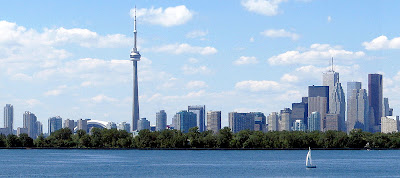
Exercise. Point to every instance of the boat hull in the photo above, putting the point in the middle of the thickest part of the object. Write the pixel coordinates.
(311, 166)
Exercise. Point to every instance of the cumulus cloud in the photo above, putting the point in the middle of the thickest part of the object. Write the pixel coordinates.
(196, 70)
(329, 19)
(280, 33)
(246, 60)
(264, 7)
(185, 48)
(256, 86)
(170, 16)
(289, 78)
(103, 98)
(56, 91)
(196, 84)
(382, 42)
(316, 54)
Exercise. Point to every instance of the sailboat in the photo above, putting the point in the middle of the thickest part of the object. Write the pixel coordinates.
(309, 160)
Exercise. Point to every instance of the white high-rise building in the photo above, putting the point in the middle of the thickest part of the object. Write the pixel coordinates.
(298, 125)
(9, 118)
(161, 120)
(390, 124)
(337, 102)
(272, 120)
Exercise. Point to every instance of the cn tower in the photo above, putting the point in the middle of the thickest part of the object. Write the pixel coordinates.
(135, 57)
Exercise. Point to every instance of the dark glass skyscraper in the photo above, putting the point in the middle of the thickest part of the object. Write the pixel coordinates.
(375, 99)
(200, 112)
(300, 111)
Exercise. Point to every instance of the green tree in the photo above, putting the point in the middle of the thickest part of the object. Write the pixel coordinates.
(40, 141)
(13, 141)
(224, 138)
(26, 141)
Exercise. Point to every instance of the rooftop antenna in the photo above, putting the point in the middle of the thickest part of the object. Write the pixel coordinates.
(332, 65)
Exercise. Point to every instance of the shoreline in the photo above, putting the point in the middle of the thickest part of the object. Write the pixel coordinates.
(200, 149)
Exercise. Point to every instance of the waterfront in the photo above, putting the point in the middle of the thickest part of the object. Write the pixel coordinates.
(196, 163)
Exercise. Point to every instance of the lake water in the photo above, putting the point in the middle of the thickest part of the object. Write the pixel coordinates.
(197, 163)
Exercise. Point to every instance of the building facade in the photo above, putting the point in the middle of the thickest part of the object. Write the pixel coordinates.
(124, 126)
(375, 100)
(143, 124)
(300, 110)
(298, 125)
(200, 111)
(314, 122)
(260, 122)
(54, 124)
(358, 110)
(82, 125)
(30, 123)
(185, 120)
(390, 124)
(68, 123)
(318, 101)
(241, 121)
(9, 118)
(161, 120)
(214, 121)
(284, 122)
(273, 120)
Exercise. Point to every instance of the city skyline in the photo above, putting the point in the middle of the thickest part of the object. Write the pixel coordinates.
(191, 60)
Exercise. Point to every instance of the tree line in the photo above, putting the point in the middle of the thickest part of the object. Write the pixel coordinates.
(113, 138)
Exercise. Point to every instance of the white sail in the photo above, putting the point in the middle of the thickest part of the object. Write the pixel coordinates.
(308, 158)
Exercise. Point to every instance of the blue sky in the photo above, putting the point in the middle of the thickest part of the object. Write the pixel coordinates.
(71, 58)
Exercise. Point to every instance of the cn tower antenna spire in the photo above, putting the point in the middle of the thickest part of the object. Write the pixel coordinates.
(134, 30)
(332, 65)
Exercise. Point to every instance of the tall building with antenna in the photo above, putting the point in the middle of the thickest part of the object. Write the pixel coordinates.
(337, 102)
(135, 57)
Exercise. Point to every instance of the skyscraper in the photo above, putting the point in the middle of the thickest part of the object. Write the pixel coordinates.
(200, 111)
(298, 125)
(161, 120)
(29, 122)
(358, 110)
(54, 124)
(124, 126)
(241, 121)
(314, 121)
(143, 123)
(9, 117)
(352, 86)
(285, 122)
(390, 124)
(135, 57)
(82, 125)
(300, 110)
(260, 121)
(337, 102)
(318, 101)
(385, 108)
(273, 120)
(185, 120)
(69, 124)
(214, 121)
(375, 100)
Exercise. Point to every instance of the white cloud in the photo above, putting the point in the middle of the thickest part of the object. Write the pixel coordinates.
(280, 33)
(196, 70)
(56, 91)
(382, 42)
(196, 34)
(246, 60)
(256, 86)
(329, 19)
(196, 84)
(102, 98)
(168, 17)
(185, 48)
(264, 7)
(289, 78)
(316, 54)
